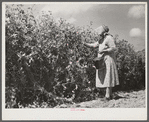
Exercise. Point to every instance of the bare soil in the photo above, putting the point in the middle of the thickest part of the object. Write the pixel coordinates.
(134, 99)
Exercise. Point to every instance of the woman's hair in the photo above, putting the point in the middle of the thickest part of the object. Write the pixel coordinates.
(104, 34)
(100, 38)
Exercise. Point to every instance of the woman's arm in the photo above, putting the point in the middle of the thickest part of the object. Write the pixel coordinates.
(91, 44)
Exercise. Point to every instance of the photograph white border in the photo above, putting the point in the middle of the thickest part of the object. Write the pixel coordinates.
(66, 113)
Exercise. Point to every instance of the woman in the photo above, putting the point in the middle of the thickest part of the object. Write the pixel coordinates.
(107, 77)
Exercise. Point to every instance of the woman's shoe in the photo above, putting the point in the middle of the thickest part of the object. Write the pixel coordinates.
(108, 98)
(105, 99)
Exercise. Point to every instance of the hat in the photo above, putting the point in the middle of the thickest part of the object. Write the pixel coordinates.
(105, 28)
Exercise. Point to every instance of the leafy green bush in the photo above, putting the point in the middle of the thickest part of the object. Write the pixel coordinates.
(131, 66)
(46, 63)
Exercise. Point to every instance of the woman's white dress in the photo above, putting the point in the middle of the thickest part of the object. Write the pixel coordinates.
(107, 77)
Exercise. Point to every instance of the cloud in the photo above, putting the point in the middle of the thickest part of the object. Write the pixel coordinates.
(136, 11)
(135, 32)
(67, 9)
(71, 20)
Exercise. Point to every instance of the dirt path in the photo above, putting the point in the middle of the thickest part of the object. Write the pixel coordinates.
(135, 99)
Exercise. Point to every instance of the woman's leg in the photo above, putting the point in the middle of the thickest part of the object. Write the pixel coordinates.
(108, 92)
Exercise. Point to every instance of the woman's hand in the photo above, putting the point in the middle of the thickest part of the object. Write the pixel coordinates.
(83, 40)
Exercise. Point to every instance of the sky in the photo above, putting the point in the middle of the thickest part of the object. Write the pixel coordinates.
(125, 20)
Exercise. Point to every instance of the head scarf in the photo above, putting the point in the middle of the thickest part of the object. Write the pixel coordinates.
(106, 29)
